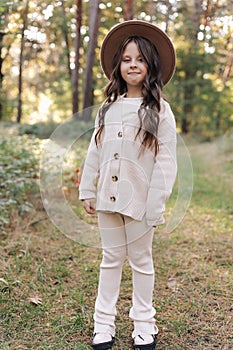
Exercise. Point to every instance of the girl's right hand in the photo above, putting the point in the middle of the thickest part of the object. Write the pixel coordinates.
(89, 205)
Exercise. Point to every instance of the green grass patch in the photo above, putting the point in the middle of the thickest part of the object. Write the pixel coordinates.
(48, 283)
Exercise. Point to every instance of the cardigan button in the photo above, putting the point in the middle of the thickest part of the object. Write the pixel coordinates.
(112, 199)
(114, 178)
(116, 155)
(119, 134)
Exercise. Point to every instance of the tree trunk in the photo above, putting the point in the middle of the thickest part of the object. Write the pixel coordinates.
(1, 73)
(77, 44)
(228, 68)
(151, 9)
(194, 8)
(66, 38)
(168, 14)
(21, 59)
(194, 15)
(188, 106)
(128, 10)
(93, 33)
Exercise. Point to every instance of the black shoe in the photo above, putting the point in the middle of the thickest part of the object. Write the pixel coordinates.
(150, 346)
(103, 346)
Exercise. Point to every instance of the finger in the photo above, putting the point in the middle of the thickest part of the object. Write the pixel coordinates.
(91, 210)
(92, 205)
(88, 208)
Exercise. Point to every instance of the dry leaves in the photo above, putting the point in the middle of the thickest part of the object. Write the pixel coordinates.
(35, 300)
(172, 284)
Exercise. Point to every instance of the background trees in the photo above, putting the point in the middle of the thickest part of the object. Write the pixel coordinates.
(49, 67)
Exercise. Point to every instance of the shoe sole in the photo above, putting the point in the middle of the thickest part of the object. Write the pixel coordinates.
(103, 346)
(150, 346)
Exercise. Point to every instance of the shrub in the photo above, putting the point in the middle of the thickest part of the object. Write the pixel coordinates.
(19, 161)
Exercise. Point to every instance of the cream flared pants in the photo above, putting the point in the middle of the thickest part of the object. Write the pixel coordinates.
(122, 237)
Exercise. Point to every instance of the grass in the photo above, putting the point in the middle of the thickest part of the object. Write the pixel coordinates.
(48, 282)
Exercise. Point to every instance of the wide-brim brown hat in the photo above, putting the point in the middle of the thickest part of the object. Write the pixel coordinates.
(158, 37)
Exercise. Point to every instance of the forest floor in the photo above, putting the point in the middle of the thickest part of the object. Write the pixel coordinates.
(48, 282)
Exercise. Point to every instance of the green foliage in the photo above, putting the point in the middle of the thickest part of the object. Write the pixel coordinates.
(40, 130)
(20, 156)
(18, 173)
(69, 129)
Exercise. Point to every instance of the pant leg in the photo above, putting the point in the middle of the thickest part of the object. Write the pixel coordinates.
(139, 249)
(113, 239)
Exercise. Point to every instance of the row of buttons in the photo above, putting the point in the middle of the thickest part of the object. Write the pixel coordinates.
(115, 178)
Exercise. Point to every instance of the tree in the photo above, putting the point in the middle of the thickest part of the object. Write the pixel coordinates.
(66, 38)
(128, 10)
(2, 33)
(93, 33)
(77, 54)
(228, 68)
(21, 60)
(192, 10)
(203, 44)
(151, 9)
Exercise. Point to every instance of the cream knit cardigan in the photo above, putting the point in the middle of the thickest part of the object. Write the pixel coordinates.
(120, 179)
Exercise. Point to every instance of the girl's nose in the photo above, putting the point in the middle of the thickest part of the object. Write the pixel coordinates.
(133, 63)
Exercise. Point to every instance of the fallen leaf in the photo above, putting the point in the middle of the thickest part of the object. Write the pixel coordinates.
(3, 281)
(35, 300)
(172, 284)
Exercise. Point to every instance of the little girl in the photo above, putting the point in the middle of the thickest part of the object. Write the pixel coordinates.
(129, 172)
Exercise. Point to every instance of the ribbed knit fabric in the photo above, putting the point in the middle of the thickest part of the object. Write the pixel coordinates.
(122, 181)
(124, 238)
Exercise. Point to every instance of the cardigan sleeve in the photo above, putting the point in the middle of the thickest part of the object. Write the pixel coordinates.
(90, 173)
(164, 170)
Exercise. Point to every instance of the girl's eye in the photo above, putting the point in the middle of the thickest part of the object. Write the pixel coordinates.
(125, 60)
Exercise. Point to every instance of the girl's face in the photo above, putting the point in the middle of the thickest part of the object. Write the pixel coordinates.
(133, 68)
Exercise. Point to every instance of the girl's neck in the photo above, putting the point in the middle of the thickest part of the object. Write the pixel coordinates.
(127, 95)
(133, 93)
(130, 95)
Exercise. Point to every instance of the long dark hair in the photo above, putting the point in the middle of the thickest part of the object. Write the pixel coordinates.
(148, 112)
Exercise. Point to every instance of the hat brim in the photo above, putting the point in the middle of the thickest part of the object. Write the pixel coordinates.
(159, 38)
